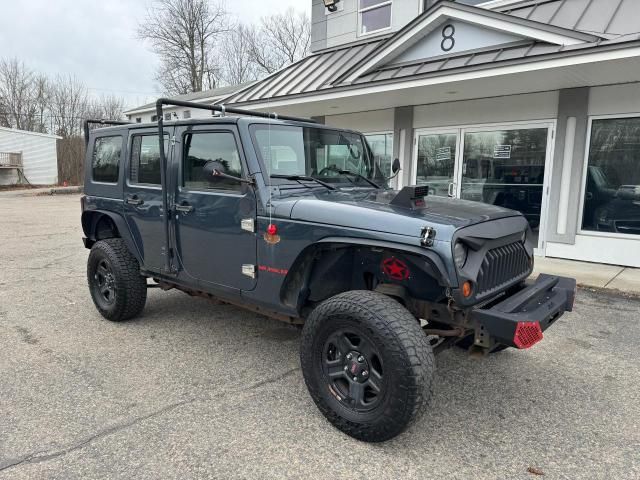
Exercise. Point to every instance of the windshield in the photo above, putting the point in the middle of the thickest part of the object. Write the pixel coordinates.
(332, 156)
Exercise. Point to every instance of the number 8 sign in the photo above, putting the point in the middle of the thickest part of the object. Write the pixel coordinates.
(448, 42)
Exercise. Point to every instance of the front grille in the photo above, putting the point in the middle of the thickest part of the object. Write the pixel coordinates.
(501, 266)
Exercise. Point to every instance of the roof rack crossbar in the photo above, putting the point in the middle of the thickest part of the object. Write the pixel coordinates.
(94, 121)
(224, 109)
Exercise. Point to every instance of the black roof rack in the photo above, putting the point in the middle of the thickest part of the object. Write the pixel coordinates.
(222, 109)
(95, 121)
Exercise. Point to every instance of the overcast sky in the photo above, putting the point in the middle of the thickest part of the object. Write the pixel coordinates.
(95, 40)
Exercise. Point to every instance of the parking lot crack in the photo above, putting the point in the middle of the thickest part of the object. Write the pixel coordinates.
(43, 456)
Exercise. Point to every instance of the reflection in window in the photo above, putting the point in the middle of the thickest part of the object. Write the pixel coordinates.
(203, 147)
(382, 147)
(612, 190)
(374, 15)
(145, 159)
(106, 159)
(506, 168)
(436, 162)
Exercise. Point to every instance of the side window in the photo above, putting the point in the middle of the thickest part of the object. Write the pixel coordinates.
(199, 148)
(144, 166)
(105, 162)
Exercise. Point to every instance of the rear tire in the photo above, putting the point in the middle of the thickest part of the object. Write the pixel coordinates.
(118, 290)
(367, 364)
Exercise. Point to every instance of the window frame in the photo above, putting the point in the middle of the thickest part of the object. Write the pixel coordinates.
(583, 185)
(382, 3)
(240, 191)
(120, 162)
(129, 181)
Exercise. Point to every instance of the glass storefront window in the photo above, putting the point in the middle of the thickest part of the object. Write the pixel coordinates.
(506, 168)
(436, 162)
(382, 147)
(612, 187)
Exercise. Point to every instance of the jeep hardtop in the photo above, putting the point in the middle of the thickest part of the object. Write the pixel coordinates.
(295, 220)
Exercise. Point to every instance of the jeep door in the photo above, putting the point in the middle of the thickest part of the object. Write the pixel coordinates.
(211, 244)
(143, 196)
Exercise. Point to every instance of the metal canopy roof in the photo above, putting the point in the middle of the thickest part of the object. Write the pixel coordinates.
(326, 70)
(608, 17)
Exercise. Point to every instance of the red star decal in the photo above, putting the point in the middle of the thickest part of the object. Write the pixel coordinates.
(395, 269)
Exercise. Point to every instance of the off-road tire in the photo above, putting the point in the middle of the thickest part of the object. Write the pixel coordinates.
(408, 359)
(130, 288)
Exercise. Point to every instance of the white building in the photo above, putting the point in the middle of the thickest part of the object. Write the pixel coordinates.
(534, 105)
(33, 154)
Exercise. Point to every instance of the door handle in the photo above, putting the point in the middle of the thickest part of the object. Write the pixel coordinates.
(134, 200)
(184, 208)
(452, 187)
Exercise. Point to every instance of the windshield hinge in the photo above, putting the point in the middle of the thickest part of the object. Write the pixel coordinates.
(427, 236)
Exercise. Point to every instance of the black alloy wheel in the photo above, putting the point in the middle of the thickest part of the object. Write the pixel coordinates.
(104, 283)
(367, 364)
(354, 370)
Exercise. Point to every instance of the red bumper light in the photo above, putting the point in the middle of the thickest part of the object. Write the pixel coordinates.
(527, 334)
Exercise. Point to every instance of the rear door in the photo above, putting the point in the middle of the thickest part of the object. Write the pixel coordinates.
(211, 243)
(143, 196)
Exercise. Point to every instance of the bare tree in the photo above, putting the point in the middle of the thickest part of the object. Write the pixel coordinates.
(23, 97)
(280, 40)
(183, 33)
(69, 105)
(236, 58)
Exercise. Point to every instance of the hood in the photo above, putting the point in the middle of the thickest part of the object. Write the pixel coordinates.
(371, 210)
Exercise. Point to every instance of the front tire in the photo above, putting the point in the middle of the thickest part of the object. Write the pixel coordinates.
(118, 290)
(367, 364)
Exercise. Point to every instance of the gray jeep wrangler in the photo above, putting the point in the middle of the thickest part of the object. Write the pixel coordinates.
(294, 220)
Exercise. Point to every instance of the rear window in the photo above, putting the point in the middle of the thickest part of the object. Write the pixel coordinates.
(144, 167)
(106, 159)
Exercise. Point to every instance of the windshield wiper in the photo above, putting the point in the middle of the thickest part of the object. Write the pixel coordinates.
(358, 175)
(298, 178)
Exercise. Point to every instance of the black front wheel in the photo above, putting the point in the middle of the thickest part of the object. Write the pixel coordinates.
(367, 364)
(118, 290)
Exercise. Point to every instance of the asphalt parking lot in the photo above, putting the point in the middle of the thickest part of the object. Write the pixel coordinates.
(194, 390)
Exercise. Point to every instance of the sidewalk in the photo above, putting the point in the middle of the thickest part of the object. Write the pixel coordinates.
(31, 192)
(594, 275)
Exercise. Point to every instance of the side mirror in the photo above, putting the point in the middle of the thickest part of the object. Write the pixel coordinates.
(214, 172)
(395, 168)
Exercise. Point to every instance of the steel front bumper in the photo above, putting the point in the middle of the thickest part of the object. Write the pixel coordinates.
(520, 319)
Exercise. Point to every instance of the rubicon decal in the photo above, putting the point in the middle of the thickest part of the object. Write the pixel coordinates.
(395, 269)
(277, 271)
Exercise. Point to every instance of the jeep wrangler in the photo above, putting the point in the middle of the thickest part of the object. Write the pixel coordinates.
(294, 220)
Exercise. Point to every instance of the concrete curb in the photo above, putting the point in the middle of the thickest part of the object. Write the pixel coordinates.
(64, 191)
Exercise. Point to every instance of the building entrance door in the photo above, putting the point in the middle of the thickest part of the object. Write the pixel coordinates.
(507, 166)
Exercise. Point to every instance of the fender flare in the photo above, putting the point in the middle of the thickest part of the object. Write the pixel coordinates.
(299, 272)
(89, 228)
(432, 257)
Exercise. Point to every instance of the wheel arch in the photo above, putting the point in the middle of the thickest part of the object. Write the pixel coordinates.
(349, 262)
(100, 225)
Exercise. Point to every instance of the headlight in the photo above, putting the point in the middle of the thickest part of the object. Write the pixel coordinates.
(460, 254)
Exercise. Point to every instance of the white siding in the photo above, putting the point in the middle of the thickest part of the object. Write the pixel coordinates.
(615, 99)
(373, 121)
(514, 108)
(39, 156)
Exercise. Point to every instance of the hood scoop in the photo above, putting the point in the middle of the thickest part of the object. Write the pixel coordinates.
(411, 197)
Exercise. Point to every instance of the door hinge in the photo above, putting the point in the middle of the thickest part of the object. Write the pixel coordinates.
(249, 271)
(248, 225)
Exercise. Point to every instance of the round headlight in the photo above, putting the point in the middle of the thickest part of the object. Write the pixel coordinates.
(460, 254)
